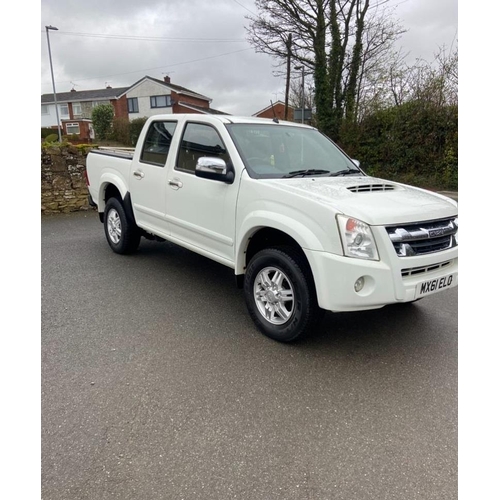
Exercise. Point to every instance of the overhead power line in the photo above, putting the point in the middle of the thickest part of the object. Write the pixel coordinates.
(159, 67)
(151, 38)
(246, 8)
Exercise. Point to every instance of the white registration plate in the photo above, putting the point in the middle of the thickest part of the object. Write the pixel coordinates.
(436, 285)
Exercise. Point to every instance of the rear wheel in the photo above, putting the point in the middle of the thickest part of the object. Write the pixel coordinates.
(280, 294)
(122, 234)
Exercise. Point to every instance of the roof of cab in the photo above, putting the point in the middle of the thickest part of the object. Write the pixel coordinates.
(228, 119)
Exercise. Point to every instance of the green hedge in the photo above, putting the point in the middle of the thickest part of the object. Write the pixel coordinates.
(48, 131)
(125, 132)
(415, 143)
(136, 126)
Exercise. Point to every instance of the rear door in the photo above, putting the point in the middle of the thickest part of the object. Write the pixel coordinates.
(148, 177)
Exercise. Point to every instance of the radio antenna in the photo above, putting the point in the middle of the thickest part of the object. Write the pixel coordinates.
(275, 119)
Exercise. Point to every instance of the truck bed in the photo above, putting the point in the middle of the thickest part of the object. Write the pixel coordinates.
(118, 153)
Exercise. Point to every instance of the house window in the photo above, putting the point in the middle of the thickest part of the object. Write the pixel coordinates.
(73, 128)
(161, 101)
(45, 109)
(77, 109)
(64, 110)
(133, 105)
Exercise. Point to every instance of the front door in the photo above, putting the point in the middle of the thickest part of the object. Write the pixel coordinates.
(201, 211)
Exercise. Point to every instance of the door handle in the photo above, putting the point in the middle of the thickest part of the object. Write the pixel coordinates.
(138, 174)
(174, 183)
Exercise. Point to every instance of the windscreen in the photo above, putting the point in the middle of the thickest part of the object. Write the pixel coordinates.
(273, 151)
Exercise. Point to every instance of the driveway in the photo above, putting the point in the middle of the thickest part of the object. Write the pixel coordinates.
(156, 385)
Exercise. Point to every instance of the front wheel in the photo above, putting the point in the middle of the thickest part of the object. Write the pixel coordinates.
(280, 294)
(122, 234)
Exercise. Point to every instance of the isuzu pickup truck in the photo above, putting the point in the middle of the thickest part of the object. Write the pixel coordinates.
(303, 227)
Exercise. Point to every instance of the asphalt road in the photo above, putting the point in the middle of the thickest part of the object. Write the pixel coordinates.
(156, 385)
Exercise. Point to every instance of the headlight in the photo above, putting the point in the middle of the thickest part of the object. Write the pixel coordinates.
(357, 238)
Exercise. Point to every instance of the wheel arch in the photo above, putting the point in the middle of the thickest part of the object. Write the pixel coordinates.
(280, 230)
(273, 234)
(112, 189)
(110, 186)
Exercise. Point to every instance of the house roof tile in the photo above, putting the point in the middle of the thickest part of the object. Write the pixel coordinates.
(84, 95)
(172, 86)
(208, 111)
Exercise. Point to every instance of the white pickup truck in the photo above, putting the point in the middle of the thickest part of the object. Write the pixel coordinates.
(303, 227)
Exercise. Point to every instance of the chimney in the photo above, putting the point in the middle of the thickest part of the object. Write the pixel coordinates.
(166, 79)
(73, 89)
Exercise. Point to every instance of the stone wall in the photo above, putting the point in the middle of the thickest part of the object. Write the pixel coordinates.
(63, 184)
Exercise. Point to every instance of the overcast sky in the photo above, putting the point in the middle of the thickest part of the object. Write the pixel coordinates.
(103, 42)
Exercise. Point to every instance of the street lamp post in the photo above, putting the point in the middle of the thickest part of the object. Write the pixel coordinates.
(47, 28)
(303, 94)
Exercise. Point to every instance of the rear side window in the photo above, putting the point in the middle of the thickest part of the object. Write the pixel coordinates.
(157, 143)
(200, 140)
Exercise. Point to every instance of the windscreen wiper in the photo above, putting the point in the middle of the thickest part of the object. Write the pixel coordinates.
(309, 171)
(347, 171)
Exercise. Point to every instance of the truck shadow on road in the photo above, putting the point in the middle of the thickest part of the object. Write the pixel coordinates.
(394, 326)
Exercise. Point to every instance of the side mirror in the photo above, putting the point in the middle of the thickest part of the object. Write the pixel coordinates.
(356, 162)
(214, 168)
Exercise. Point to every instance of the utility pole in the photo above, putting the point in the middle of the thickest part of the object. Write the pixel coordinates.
(47, 28)
(303, 90)
(288, 59)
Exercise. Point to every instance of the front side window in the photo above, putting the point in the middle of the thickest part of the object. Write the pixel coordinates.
(157, 143)
(73, 128)
(133, 105)
(161, 101)
(45, 109)
(200, 140)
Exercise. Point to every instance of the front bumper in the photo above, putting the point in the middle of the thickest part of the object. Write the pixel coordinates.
(399, 280)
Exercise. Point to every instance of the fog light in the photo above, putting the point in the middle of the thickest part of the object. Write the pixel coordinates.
(360, 283)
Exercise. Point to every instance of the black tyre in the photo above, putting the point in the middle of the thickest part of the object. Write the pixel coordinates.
(280, 294)
(122, 234)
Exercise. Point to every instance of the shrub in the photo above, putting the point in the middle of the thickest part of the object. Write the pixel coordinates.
(51, 138)
(102, 120)
(416, 143)
(73, 138)
(121, 131)
(47, 131)
(136, 126)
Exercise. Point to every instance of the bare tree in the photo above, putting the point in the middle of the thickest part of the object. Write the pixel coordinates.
(434, 82)
(296, 93)
(331, 38)
(382, 30)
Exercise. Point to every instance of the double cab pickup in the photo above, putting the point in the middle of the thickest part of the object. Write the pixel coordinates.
(303, 227)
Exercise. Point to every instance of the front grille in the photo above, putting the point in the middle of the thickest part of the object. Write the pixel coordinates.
(366, 188)
(424, 237)
(412, 271)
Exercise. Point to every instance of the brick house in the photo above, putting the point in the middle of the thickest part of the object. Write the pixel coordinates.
(146, 97)
(276, 109)
(76, 106)
(150, 96)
